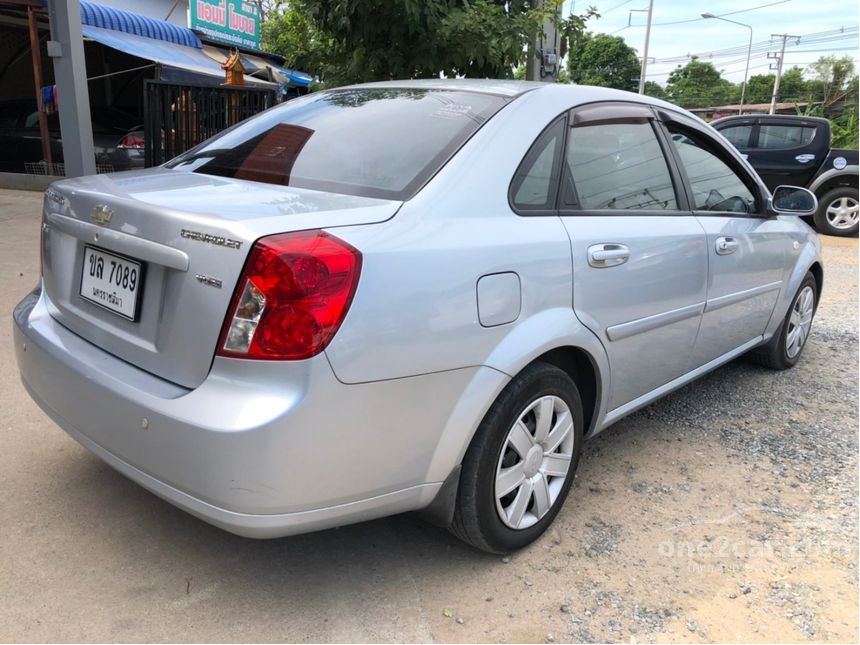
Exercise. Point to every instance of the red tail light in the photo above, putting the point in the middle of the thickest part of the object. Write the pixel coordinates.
(292, 297)
(132, 140)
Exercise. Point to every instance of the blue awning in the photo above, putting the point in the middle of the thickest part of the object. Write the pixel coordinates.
(292, 76)
(96, 15)
(189, 59)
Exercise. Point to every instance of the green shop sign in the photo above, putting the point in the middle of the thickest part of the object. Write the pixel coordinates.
(232, 22)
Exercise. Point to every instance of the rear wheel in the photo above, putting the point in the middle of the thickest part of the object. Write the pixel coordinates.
(838, 212)
(521, 463)
(784, 349)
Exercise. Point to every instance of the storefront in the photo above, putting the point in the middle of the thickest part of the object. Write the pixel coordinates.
(122, 51)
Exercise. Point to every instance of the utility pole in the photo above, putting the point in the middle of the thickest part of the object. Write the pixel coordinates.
(66, 47)
(36, 49)
(779, 60)
(543, 59)
(645, 51)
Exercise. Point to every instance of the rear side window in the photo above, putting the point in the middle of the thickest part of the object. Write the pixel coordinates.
(780, 137)
(715, 186)
(619, 166)
(738, 135)
(372, 142)
(534, 184)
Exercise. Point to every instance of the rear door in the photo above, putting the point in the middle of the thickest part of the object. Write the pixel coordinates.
(746, 248)
(639, 255)
(739, 132)
(787, 151)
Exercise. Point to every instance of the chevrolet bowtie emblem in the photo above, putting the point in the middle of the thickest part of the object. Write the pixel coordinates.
(101, 214)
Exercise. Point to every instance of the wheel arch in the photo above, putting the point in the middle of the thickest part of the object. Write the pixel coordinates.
(583, 367)
(831, 179)
(581, 356)
(818, 273)
(809, 262)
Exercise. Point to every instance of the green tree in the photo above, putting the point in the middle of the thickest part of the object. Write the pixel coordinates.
(367, 40)
(698, 84)
(607, 61)
(289, 31)
(652, 88)
(830, 77)
(759, 88)
(792, 86)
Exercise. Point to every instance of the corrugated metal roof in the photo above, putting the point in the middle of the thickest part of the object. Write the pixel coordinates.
(96, 15)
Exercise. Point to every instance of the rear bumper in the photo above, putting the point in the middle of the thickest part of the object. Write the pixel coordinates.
(261, 448)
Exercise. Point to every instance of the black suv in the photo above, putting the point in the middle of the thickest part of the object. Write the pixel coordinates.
(795, 150)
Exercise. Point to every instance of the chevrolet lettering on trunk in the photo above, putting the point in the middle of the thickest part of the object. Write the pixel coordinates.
(217, 240)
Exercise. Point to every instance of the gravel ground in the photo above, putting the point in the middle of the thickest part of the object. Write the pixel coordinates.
(725, 512)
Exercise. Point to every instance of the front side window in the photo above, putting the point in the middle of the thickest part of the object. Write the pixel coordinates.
(372, 142)
(715, 186)
(619, 166)
(738, 135)
(781, 137)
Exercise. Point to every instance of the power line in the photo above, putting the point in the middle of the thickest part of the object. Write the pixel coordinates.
(795, 64)
(845, 33)
(618, 6)
(820, 37)
(722, 15)
(743, 59)
(730, 13)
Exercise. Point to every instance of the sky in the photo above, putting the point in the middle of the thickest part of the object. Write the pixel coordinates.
(816, 21)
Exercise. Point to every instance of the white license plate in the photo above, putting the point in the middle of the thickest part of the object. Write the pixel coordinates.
(112, 281)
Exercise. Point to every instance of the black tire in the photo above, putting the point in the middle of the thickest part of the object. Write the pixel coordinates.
(775, 354)
(822, 224)
(476, 519)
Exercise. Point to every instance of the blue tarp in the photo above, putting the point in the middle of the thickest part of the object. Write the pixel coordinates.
(300, 79)
(96, 15)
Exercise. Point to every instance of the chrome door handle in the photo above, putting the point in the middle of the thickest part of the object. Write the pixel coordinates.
(726, 245)
(601, 256)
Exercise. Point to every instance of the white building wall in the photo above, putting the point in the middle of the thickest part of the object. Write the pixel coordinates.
(154, 9)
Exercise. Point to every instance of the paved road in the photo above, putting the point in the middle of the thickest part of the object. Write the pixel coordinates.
(727, 511)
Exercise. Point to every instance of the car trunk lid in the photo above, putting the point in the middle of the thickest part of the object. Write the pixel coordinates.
(191, 233)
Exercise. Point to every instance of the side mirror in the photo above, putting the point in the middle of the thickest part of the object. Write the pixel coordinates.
(792, 200)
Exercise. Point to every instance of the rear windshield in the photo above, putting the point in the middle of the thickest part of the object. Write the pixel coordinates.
(381, 142)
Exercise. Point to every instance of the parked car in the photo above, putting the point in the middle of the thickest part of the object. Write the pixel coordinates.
(796, 150)
(117, 137)
(417, 295)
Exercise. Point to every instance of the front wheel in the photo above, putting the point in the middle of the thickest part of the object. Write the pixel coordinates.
(784, 349)
(521, 462)
(838, 212)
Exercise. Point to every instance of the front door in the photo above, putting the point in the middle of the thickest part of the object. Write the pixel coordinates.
(746, 248)
(639, 256)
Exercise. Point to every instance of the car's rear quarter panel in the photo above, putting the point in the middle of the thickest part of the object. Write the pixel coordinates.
(416, 308)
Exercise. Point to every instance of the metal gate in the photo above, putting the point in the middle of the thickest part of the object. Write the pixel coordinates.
(177, 117)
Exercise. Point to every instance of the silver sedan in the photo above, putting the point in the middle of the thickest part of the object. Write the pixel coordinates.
(418, 295)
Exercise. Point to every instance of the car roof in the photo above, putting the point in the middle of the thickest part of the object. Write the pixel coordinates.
(579, 94)
(507, 88)
(787, 118)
